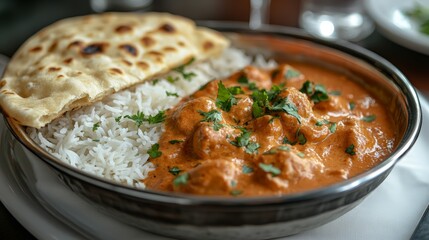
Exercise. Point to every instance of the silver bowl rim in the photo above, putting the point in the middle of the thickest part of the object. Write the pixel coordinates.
(330, 191)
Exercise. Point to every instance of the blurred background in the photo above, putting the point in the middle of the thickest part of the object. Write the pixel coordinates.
(19, 19)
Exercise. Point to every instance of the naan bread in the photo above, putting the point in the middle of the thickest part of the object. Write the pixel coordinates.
(78, 61)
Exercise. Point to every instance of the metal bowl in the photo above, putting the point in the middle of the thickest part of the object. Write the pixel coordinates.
(199, 217)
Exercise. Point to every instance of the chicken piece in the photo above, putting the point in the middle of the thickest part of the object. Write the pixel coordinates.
(261, 78)
(268, 131)
(186, 116)
(282, 166)
(242, 111)
(212, 177)
(209, 143)
(335, 107)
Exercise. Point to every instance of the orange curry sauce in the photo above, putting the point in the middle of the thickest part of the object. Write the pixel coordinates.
(269, 132)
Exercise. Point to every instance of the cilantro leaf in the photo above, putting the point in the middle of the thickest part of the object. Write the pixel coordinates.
(95, 126)
(155, 81)
(287, 141)
(246, 169)
(335, 93)
(292, 73)
(352, 105)
(174, 170)
(181, 179)
(369, 118)
(235, 90)
(333, 127)
(138, 118)
(287, 106)
(211, 116)
(300, 154)
(225, 99)
(301, 138)
(252, 147)
(235, 192)
(171, 94)
(316, 92)
(269, 168)
(186, 75)
(158, 118)
(175, 141)
(118, 119)
(350, 149)
(154, 151)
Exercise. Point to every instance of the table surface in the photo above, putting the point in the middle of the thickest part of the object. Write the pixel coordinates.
(19, 19)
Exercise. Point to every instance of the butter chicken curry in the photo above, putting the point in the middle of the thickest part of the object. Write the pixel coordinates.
(269, 132)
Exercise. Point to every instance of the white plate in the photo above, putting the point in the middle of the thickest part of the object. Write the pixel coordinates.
(392, 211)
(395, 25)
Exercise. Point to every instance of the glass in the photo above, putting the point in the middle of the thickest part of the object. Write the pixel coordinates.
(119, 5)
(259, 13)
(335, 19)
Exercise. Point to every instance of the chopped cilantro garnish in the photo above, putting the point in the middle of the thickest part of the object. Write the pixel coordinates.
(260, 101)
(95, 126)
(292, 73)
(233, 183)
(300, 154)
(246, 169)
(235, 90)
(244, 141)
(138, 118)
(175, 141)
(352, 105)
(155, 81)
(235, 192)
(269, 168)
(301, 138)
(181, 179)
(350, 149)
(287, 106)
(118, 119)
(287, 141)
(322, 122)
(158, 118)
(96, 140)
(270, 152)
(316, 92)
(369, 118)
(174, 170)
(252, 147)
(171, 94)
(333, 127)
(283, 148)
(225, 99)
(335, 93)
(211, 116)
(170, 79)
(154, 151)
(186, 75)
(243, 79)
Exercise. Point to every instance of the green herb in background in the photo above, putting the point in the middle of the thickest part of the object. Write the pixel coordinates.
(420, 14)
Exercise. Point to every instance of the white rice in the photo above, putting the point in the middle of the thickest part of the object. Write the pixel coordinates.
(118, 150)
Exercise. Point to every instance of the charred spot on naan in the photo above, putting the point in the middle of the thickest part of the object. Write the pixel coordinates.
(94, 48)
(53, 47)
(168, 28)
(2, 83)
(76, 43)
(129, 48)
(143, 65)
(54, 69)
(121, 29)
(116, 71)
(36, 49)
(147, 41)
(68, 60)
